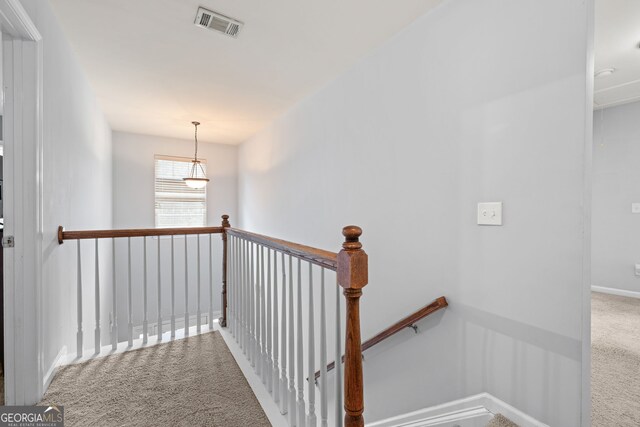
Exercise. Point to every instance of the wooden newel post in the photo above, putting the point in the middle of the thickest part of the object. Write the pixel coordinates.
(225, 224)
(353, 276)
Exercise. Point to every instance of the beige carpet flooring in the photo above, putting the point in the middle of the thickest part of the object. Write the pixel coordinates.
(615, 359)
(190, 382)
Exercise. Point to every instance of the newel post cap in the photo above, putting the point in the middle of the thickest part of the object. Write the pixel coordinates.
(225, 221)
(353, 261)
(352, 235)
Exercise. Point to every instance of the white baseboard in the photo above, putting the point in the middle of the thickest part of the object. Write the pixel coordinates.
(179, 323)
(265, 399)
(471, 411)
(614, 291)
(63, 358)
(58, 361)
(497, 406)
(107, 350)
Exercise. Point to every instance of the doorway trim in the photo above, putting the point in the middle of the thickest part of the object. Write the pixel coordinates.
(585, 401)
(23, 133)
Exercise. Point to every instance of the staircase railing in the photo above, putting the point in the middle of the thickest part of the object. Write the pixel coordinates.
(270, 327)
(262, 294)
(159, 286)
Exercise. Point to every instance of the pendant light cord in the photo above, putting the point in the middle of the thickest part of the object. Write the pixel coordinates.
(196, 138)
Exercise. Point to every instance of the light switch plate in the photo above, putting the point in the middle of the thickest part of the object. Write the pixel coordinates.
(637, 269)
(635, 208)
(490, 213)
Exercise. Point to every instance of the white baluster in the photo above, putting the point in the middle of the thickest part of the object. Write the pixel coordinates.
(210, 284)
(263, 315)
(145, 321)
(98, 342)
(301, 404)
(248, 331)
(79, 344)
(275, 378)
(114, 317)
(186, 288)
(284, 395)
(198, 314)
(231, 280)
(338, 360)
(323, 355)
(250, 301)
(244, 292)
(269, 365)
(241, 290)
(173, 292)
(260, 312)
(255, 280)
(311, 419)
(129, 303)
(255, 288)
(236, 286)
(246, 271)
(159, 326)
(251, 345)
(292, 367)
(239, 285)
(251, 319)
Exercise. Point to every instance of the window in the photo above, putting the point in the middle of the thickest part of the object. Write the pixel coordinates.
(176, 204)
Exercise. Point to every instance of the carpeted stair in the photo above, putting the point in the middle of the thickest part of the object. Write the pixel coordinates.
(501, 421)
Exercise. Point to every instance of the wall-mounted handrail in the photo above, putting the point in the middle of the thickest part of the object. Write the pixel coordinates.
(408, 321)
(134, 232)
(316, 256)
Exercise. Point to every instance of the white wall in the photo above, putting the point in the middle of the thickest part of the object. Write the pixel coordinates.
(616, 155)
(133, 162)
(476, 101)
(77, 179)
(133, 207)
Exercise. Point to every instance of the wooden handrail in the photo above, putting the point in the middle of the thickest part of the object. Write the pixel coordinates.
(316, 256)
(134, 232)
(410, 320)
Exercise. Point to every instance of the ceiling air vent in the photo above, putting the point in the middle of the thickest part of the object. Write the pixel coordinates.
(217, 22)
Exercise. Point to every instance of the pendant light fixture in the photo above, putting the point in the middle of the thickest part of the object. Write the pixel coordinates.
(197, 177)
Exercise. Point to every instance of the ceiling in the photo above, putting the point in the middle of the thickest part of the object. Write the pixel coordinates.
(154, 71)
(617, 41)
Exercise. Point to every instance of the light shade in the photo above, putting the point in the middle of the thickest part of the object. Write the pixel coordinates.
(196, 182)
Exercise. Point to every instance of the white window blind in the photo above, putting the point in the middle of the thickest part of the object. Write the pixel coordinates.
(176, 204)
